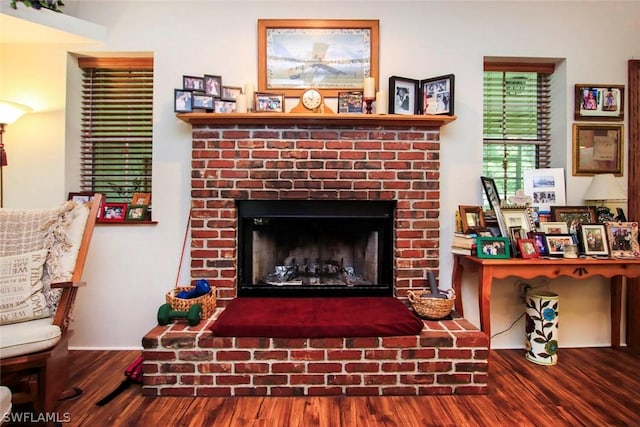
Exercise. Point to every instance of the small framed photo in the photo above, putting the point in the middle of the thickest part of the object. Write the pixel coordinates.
(231, 93)
(491, 191)
(518, 217)
(493, 247)
(599, 102)
(182, 101)
(472, 218)
(137, 212)
(350, 102)
(224, 106)
(193, 83)
(597, 148)
(213, 85)
(540, 241)
(141, 199)
(113, 212)
(557, 242)
(403, 95)
(593, 239)
(528, 248)
(623, 239)
(269, 102)
(554, 227)
(81, 196)
(202, 101)
(574, 216)
(436, 95)
(545, 187)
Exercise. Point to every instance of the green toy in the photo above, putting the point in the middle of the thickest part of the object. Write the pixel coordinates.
(166, 314)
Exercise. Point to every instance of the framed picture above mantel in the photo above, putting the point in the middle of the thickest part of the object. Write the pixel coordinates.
(329, 55)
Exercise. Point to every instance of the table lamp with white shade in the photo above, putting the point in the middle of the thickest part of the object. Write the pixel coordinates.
(604, 188)
(9, 113)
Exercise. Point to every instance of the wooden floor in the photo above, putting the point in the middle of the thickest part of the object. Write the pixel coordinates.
(589, 386)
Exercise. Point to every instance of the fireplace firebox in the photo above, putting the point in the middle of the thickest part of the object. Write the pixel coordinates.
(310, 248)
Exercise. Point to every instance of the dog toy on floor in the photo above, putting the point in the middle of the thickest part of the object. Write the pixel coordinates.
(202, 288)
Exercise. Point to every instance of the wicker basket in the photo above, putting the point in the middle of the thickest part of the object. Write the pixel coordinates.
(432, 308)
(208, 301)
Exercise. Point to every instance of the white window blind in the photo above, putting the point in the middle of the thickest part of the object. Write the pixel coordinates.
(117, 123)
(516, 122)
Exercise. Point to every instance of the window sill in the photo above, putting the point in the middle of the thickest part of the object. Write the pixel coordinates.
(126, 222)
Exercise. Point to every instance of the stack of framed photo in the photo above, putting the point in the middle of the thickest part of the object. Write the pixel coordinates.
(205, 93)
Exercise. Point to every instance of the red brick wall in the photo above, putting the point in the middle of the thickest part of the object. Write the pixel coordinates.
(307, 162)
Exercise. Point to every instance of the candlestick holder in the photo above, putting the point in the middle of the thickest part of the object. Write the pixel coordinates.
(368, 105)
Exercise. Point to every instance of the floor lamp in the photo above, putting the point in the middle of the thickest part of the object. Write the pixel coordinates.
(9, 113)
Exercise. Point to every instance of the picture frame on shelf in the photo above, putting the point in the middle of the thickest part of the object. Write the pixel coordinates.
(141, 199)
(516, 233)
(113, 212)
(269, 102)
(202, 101)
(493, 247)
(224, 106)
(623, 239)
(472, 218)
(351, 101)
(437, 95)
(554, 227)
(546, 187)
(182, 101)
(599, 102)
(193, 83)
(81, 196)
(540, 241)
(213, 85)
(574, 216)
(230, 93)
(528, 248)
(597, 148)
(593, 240)
(343, 51)
(403, 95)
(557, 242)
(137, 212)
(490, 191)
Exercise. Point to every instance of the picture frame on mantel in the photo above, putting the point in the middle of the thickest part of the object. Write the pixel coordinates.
(329, 55)
(437, 95)
(403, 95)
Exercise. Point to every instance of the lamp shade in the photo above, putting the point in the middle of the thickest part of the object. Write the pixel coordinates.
(605, 187)
(11, 111)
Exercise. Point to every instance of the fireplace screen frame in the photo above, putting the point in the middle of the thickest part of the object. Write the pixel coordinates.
(379, 217)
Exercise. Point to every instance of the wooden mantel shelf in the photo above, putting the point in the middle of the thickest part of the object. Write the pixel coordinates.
(422, 121)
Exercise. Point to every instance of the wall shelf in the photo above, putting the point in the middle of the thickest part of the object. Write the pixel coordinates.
(426, 121)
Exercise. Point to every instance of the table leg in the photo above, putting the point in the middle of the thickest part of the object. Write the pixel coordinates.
(456, 280)
(616, 310)
(485, 277)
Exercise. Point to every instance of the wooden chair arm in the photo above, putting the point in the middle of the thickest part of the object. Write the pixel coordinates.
(63, 285)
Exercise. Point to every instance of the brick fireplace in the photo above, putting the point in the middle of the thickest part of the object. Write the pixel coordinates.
(283, 157)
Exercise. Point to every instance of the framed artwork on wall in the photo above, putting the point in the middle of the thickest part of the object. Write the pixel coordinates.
(599, 102)
(597, 148)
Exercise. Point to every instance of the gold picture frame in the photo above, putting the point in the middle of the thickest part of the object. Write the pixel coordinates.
(597, 148)
(294, 53)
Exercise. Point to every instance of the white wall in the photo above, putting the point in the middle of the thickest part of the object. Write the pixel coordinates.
(131, 268)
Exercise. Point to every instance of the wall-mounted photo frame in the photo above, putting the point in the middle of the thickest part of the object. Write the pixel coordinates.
(213, 85)
(141, 199)
(202, 101)
(472, 218)
(331, 55)
(491, 191)
(493, 247)
(528, 248)
(599, 102)
(269, 102)
(350, 101)
(137, 212)
(224, 106)
(545, 187)
(230, 93)
(593, 240)
(554, 227)
(437, 95)
(182, 101)
(403, 95)
(540, 241)
(574, 216)
(556, 243)
(597, 148)
(623, 239)
(113, 212)
(193, 83)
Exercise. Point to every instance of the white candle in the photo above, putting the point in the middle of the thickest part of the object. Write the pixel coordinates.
(381, 102)
(369, 87)
(249, 91)
(241, 103)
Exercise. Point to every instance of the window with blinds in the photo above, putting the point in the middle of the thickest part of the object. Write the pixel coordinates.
(117, 123)
(516, 123)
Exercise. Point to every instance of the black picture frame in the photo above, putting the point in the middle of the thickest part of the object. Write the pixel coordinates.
(437, 95)
(491, 191)
(350, 101)
(193, 83)
(403, 95)
(213, 85)
(202, 101)
(182, 101)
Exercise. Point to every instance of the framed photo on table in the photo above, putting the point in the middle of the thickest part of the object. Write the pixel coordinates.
(437, 95)
(623, 239)
(518, 217)
(528, 248)
(574, 216)
(403, 95)
(557, 242)
(554, 227)
(330, 55)
(597, 148)
(491, 191)
(545, 187)
(493, 247)
(593, 239)
(599, 102)
(472, 218)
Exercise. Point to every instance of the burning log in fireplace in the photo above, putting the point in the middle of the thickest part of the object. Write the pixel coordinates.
(327, 273)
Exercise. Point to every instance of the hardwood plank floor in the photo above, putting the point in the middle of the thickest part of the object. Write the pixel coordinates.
(588, 387)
